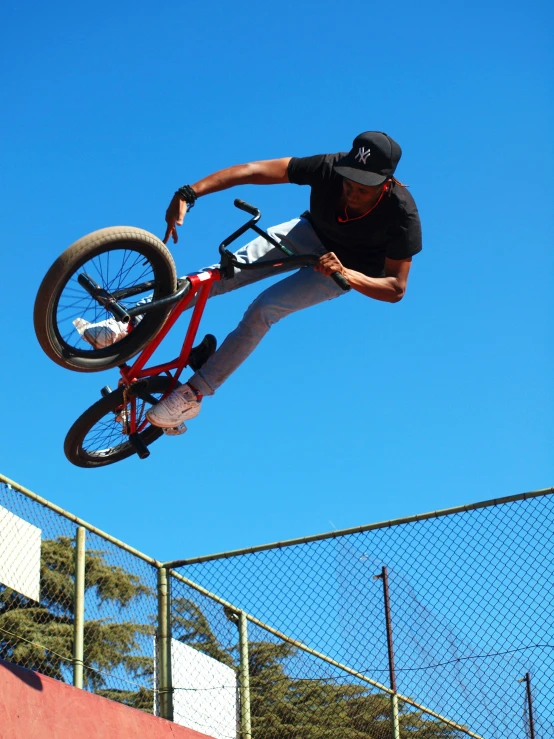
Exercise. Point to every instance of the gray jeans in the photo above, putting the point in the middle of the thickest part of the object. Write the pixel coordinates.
(300, 290)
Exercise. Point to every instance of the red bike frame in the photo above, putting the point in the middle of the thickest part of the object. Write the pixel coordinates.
(200, 288)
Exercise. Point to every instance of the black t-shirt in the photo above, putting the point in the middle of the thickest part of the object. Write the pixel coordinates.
(392, 229)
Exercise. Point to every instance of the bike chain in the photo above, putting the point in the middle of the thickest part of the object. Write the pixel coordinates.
(126, 416)
(126, 393)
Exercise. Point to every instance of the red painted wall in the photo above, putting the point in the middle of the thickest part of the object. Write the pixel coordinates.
(36, 707)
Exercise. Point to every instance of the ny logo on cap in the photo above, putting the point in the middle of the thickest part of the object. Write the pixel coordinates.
(363, 154)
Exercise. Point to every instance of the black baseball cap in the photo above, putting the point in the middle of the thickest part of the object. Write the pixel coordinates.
(372, 160)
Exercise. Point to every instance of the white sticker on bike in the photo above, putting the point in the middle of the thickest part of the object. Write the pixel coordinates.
(203, 276)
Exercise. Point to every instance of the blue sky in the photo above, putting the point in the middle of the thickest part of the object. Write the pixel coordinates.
(350, 412)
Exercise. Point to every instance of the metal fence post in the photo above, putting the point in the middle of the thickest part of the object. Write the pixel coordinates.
(384, 576)
(245, 720)
(165, 688)
(79, 608)
(527, 681)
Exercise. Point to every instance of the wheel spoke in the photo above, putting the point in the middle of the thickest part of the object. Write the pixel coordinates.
(107, 436)
(114, 269)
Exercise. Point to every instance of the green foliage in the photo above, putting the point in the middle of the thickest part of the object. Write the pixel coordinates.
(191, 626)
(46, 628)
(287, 707)
(283, 706)
(141, 699)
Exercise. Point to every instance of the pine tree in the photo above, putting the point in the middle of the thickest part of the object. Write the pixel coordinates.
(285, 706)
(191, 626)
(39, 636)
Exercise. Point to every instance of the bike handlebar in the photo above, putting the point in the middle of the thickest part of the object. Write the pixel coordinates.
(243, 205)
(341, 281)
(229, 262)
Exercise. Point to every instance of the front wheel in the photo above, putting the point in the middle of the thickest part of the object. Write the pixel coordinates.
(98, 437)
(125, 262)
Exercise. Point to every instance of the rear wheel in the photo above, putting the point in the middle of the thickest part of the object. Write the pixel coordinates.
(127, 262)
(99, 436)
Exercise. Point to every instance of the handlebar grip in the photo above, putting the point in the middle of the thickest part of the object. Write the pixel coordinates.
(242, 205)
(341, 281)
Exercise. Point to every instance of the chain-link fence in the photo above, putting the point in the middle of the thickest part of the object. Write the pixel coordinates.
(75, 604)
(438, 626)
(451, 610)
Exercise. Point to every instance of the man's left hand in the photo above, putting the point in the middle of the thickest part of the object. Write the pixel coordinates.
(330, 263)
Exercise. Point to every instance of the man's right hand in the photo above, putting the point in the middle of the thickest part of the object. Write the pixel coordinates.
(174, 216)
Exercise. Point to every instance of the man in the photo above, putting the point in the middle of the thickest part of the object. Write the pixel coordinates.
(362, 222)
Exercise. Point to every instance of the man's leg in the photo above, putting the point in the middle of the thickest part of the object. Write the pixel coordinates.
(304, 288)
(301, 290)
(107, 332)
(256, 251)
(273, 304)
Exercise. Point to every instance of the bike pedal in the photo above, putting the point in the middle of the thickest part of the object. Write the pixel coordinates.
(200, 354)
(176, 430)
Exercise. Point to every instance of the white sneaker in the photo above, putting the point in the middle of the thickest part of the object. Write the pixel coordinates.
(180, 405)
(101, 334)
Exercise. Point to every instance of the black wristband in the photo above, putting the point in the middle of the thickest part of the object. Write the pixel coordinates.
(187, 194)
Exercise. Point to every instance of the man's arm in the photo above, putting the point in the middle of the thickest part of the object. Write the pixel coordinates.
(266, 172)
(390, 288)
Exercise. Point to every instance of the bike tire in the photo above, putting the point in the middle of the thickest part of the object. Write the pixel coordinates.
(80, 446)
(135, 251)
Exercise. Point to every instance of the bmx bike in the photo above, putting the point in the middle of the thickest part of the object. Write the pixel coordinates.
(128, 274)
